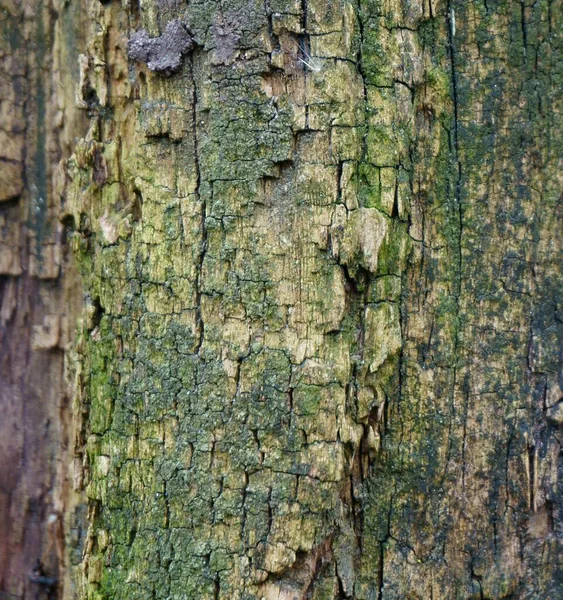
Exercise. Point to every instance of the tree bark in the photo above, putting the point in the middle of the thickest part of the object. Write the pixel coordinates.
(39, 295)
(319, 351)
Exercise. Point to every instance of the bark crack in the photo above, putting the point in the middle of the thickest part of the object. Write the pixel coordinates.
(200, 326)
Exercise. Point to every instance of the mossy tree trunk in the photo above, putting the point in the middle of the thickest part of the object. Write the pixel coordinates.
(319, 353)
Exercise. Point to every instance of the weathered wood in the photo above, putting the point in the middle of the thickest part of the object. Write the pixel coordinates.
(320, 349)
(39, 300)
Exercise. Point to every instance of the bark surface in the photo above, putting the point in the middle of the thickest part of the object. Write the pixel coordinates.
(319, 353)
(39, 295)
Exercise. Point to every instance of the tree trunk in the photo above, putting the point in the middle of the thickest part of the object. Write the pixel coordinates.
(319, 243)
(39, 294)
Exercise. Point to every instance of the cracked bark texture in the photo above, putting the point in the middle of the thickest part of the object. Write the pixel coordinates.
(39, 294)
(319, 355)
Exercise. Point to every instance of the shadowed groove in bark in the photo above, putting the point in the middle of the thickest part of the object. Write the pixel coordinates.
(200, 325)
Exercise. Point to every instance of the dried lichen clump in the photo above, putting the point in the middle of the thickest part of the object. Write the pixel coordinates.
(163, 53)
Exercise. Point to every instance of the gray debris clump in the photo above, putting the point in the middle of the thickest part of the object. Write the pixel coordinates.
(163, 54)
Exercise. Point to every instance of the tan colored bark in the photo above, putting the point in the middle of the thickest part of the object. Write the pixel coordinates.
(319, 351)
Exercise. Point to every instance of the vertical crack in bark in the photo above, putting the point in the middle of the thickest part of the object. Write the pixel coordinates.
(524, 27)
(531, 455)
(450, 19)
(458, 178)
(380, 571)
(200, 326)
(359, 62)
(304, 42)
(464, 440)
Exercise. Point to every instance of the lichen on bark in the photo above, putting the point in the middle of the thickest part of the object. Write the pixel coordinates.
(320, 342)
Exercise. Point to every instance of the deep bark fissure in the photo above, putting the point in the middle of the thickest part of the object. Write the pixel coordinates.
(200, 326)
(456, 145)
